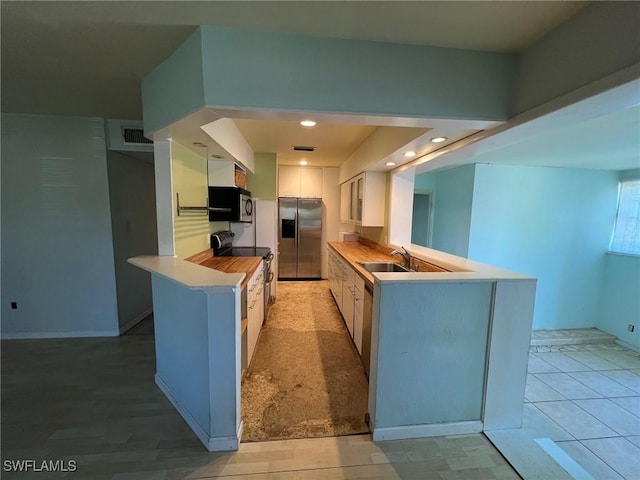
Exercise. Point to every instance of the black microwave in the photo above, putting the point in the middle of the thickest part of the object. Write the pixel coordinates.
(232, 204)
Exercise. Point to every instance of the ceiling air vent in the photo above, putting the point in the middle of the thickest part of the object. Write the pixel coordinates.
(134, 135)
(303, 148)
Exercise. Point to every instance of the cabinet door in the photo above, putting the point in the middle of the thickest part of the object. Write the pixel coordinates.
(288, 181)
(337, 280)
(373, 199)
(358, 312)
(347, 297)
(331, 267)
(353, 188)
(347, 307)
(253, 316)
(359, 198)
(260, 305)
(310, 182)
(345, 202)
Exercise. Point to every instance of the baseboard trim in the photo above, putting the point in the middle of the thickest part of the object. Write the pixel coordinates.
(212, 444)
(426, 430)
(136, 320)
(627, 345)
(44, 335)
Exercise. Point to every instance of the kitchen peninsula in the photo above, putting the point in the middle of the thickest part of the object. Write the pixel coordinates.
(197, 320)
(449, 348)
(449, 343)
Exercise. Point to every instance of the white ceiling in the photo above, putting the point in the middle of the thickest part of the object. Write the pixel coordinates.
(607, 142)
(88, 58)
(601, 132)
(334, 142)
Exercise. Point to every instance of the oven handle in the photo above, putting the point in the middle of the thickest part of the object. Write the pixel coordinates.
(268, 282)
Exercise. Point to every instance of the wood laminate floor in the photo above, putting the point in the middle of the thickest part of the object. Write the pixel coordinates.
(94, 401)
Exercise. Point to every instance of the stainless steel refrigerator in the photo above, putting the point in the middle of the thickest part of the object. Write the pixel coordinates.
(299, 237)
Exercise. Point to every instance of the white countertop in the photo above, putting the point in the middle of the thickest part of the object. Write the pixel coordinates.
(188, 274)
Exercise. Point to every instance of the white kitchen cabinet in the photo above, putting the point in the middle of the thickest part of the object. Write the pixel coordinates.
(345, 202)
(347, 296)
(335, 278)
(348, 286)
(255, 307)
(299, 181)
(362, 199)
(310, 182)
(358, 312)
(288, 181)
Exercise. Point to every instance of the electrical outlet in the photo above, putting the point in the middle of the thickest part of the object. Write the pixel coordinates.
(14, 305)
(208, 238)
(631, 327)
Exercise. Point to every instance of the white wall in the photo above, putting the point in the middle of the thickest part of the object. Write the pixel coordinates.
(57, 251)
(401, 196)
(133, 221)
(330, 213)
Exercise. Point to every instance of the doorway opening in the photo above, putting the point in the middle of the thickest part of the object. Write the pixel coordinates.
(422, 219)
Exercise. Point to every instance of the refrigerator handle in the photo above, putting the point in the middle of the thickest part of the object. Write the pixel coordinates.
(295, 219)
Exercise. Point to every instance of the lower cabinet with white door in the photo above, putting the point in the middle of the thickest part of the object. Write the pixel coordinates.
(347, 287)
(335, 278)
(255, 307)
(358, 312)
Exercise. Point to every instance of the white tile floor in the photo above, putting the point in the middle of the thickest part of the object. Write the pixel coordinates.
(586, 398)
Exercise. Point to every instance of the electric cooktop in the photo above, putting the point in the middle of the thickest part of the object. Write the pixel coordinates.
(222, 244)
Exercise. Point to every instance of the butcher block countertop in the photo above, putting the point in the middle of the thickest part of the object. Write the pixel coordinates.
(367, 251)
(246, 265)
(354, 252)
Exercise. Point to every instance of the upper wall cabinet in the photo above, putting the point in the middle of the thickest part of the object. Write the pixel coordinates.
(362, 199)
(299, 182)
(222, 173)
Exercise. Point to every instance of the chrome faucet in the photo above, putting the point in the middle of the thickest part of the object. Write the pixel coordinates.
(405, 255)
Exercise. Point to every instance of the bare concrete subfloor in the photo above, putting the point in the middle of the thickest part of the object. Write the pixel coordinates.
(305, 379)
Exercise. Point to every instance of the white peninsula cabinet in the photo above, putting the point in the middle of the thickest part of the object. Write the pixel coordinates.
(347, 287)
(362, 199)
(303, 182)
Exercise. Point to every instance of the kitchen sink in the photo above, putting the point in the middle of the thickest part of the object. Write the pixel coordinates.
(383, 267)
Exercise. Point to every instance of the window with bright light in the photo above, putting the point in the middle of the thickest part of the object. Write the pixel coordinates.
(626, 233)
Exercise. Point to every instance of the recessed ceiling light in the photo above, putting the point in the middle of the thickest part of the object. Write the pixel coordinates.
(303, 162)
(409, 154)
(390, 164)
(439, 139)
(308, 123)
